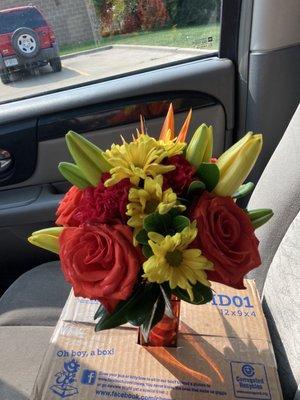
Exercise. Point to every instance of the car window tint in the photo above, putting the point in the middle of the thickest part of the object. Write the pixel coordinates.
(9, 22)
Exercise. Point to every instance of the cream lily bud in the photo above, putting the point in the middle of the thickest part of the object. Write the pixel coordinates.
(47, 239)
(236, 164)
(88, 157)
(200, 147)
(74, 175)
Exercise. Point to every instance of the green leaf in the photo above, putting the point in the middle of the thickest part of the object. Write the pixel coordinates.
(118, 317)
(153, 318)
(147, 251)
(137, 315)
(209, 174)
(243, 190)
(166, 292)
(156, 222)
(166, 224)
(101, 312)
(142, 237)
(202, 294)
(196, 187)
(261, 221)
(258, 213)
(260, 216)
(183, 201)
(174, 211)
(180, 222)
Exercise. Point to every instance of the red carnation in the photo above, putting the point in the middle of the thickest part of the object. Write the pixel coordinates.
(181, 177)
(226, 237)
(100, 205)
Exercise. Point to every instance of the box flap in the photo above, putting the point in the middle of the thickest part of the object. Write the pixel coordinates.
(232, 313)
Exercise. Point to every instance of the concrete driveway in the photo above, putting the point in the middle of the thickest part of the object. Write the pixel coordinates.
(92, 65)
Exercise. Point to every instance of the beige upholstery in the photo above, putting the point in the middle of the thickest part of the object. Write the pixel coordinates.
(279, 189)
(281, 305)
(36, 298)
(278, 277)
(21, 352)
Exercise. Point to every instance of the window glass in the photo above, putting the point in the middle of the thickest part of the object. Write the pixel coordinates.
(64, 43)
(11, 21)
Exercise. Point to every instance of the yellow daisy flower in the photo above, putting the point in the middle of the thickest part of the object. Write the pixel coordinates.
(150, 198)
(173, 262)
(171, 146)
(136, 160)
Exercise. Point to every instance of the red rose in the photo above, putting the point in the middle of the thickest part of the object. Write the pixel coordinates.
(68, 206)
(181, 177)
(226, 237)
(100, 262)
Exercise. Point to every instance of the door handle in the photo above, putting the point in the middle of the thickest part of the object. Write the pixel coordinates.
(6, 161)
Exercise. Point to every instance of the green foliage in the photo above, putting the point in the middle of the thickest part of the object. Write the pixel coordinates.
(209, 174)
(172, 8)
(243, 190)
(101, 312)
(166, 224)
(195, 188)
(137, 315)
(166, 292)
(154, 317)
(202, 294)
(260, 216)
(142, 237)
(135, 310)
(197, 12)
(147, 251)
(125, 16)
(144, 308)
(180, 222)
(156, 222)
(99, 4)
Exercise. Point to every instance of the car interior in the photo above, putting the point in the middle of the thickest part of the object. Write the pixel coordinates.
(252, 83)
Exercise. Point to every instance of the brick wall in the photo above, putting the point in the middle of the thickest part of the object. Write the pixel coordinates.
(73, 20)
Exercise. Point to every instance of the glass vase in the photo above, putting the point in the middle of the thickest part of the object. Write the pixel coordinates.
(166, 331)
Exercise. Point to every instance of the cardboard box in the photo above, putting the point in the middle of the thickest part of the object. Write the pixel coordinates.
(224, 352)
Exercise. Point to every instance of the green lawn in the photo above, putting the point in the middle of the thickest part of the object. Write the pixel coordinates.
(192, 37)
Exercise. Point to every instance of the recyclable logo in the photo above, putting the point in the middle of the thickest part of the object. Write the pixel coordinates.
(250, 381)
(64, 380)
(248, 370)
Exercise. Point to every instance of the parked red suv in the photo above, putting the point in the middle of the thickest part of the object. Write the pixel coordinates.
(26, 42)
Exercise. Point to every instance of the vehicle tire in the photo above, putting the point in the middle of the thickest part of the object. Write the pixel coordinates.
(5, 77)
(55, 64)
(25, 42)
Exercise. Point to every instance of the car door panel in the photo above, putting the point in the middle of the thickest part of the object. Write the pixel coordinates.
(51, 152)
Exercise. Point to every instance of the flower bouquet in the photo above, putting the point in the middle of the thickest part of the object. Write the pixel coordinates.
(150, 222)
